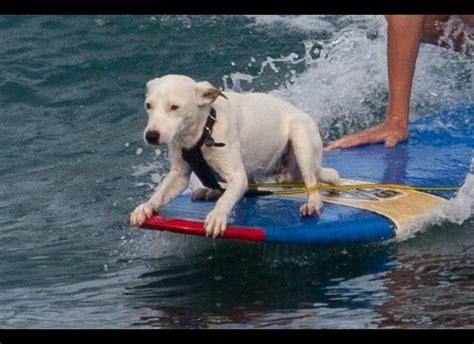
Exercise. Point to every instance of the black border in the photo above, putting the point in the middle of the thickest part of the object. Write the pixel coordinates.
(235, 7)
(460, 336)
(225, 7)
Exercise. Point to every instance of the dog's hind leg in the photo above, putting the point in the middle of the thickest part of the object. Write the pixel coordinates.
(205, 194)
(329, 176)
(199, 194)
(307, 149)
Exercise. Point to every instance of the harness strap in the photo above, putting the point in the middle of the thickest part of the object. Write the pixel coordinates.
(199, 166)
(193, 156)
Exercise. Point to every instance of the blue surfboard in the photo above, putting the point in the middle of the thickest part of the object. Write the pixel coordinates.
(438, 153)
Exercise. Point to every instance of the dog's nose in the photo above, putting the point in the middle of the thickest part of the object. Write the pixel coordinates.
(152, 137)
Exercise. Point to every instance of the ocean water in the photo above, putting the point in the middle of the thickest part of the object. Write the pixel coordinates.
(73, 164)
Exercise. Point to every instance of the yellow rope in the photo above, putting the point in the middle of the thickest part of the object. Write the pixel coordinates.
(298, 188)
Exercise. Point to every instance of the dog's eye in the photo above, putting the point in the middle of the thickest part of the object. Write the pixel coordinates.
(148, 106)
(174, 107)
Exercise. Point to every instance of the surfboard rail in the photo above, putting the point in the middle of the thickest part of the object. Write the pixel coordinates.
(190, 227)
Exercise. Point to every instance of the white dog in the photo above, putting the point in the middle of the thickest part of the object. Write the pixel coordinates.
(259, 135)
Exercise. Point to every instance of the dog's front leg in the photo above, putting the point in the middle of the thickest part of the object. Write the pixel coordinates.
(237, 184)
(175, 182)
(172, 186)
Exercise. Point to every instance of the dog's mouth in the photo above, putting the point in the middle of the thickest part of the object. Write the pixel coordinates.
(153, 143)
(159, 142)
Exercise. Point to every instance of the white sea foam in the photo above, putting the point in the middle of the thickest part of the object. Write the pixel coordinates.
(156, 244)
(303, 22)
(456, 210)
(145, 169)
(233, 81)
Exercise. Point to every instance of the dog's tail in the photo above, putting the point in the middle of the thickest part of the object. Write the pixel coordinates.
(329, 176)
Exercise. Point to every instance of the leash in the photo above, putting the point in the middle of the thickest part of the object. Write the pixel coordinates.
(299, 188)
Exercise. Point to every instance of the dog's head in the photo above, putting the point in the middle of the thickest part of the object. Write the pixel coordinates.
(173, 103)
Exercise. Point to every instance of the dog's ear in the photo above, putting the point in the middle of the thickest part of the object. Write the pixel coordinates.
(206, 93)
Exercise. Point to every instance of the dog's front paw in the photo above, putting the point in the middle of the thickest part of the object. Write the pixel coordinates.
(311, 209)
(216, 223)
(139, 215)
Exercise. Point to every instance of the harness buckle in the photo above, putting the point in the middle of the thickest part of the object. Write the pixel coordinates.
(209, 142)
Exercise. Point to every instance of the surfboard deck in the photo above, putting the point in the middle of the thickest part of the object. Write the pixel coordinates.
(438, 153)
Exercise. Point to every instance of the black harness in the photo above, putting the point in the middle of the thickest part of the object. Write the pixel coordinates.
(193, 156)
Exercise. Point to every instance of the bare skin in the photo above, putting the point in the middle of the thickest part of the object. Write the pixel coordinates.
(405, 34)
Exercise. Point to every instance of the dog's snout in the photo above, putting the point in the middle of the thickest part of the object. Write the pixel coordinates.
(152, 137)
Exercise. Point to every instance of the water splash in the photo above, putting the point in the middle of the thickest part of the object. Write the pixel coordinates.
(455, 210)
(307, 23)
(340, 81)
(233, 81)
(343, 84)
(155, 245)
